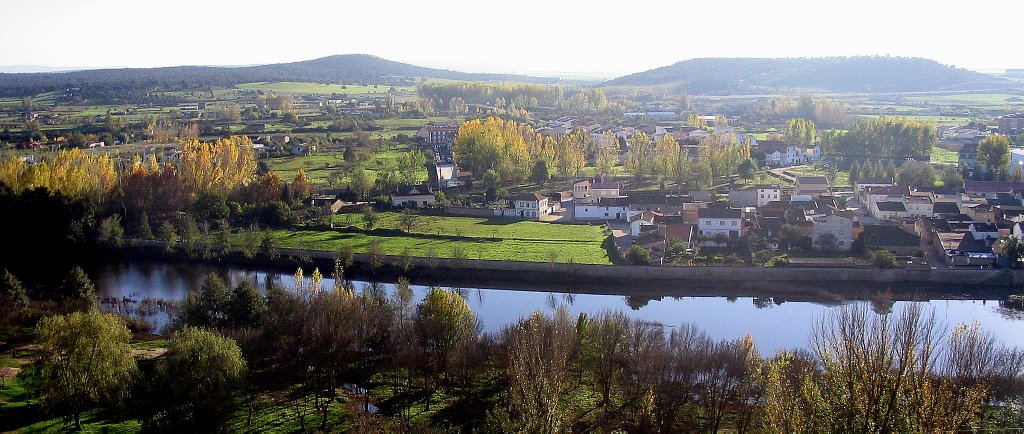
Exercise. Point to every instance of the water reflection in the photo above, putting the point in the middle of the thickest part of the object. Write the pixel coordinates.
(774, 322)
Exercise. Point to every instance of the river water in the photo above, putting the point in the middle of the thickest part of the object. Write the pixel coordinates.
(773, 325)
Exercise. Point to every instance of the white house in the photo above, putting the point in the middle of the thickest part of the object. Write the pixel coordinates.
(864, 183)
(779, 153)
(813, 185)
(839, 224)
(413, 196)
(757, 196)
(607, 208)
(639, 221)
(984, 231)
(528, 206)
(919, 205)
(888, 210)
(720, 220)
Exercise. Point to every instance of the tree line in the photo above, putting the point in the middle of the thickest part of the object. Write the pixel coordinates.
(884, 137)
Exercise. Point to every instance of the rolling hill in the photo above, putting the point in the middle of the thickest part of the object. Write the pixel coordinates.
(347, 68)
(838, 74)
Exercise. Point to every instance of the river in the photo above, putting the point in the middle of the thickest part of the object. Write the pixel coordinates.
(774, 324)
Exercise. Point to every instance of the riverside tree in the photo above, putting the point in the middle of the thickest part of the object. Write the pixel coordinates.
(83, 361)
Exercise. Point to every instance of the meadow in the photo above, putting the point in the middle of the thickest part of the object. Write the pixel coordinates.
(321, 168)
(446, 236)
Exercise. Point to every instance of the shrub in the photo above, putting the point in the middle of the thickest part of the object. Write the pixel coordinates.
(884, 259)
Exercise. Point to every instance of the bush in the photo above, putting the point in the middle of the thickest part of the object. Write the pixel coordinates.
(918, 252)
(778, 261)
(884, 259)
(637, 255)
(762, 256)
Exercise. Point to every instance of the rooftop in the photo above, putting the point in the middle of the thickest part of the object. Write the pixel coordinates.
(891, 206)
(886, 235)
(532, 197)
(720, 213)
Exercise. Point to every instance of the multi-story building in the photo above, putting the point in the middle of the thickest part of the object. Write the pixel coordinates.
(720, 220)
(1011, 123)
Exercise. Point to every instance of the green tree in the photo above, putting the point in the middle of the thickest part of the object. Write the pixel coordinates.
(76, 291)
(83, 361)
(801, 132)
(641, 156)
(855, 171)
(491, 179)
(444, 322)
(540, 172)
(994, 153)
(606, 159)
(111, 231)
(247, 306)
(370, 217)
(408, 219)
(360, 182)
(637, 255)
(951, 178)
(197, 377)
(168, 235)
(188, 230)
(1013, 250)
(916, 174)
(409, 166)
(210, 206)
(747, 169)
(142, 229)
(884, 259)
(13, 298)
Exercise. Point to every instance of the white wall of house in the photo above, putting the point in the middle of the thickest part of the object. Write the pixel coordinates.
(920, 209)
(732, 227)
(596, 211)
(839, 226)
(415, 200)
(887, 215)
(765, 195)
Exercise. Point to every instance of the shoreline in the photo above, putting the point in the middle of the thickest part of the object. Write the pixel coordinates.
(831, 283)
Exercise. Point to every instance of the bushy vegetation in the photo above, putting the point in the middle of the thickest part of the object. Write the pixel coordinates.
(427, 365)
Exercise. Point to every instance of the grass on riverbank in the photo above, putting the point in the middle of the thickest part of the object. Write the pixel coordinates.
(449, 237)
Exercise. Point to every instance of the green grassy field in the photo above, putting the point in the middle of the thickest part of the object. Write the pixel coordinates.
(479, 238)
(944, 156)
(318, 88)
(842, 178)
(321, 167)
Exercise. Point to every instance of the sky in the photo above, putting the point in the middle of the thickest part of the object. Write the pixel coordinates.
(547, 37)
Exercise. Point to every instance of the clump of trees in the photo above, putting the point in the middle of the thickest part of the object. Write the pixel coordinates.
(884, 137)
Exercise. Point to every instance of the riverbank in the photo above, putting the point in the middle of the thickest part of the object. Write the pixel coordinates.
(653, 280)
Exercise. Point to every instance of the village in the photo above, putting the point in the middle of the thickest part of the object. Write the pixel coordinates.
(816, 223)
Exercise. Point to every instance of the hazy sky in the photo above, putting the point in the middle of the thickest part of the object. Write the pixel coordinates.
(525, 36)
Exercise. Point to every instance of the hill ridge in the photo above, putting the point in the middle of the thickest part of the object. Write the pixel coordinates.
(717, 75)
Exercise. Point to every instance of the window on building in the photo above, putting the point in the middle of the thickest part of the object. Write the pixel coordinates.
(734, 222)
(721, 222)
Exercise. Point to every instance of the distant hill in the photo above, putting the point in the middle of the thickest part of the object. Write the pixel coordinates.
(839, 74)
(347, 68)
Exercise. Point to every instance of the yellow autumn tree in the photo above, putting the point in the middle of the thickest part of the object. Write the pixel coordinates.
(72, 173)
(219, 166)
(493, 143)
